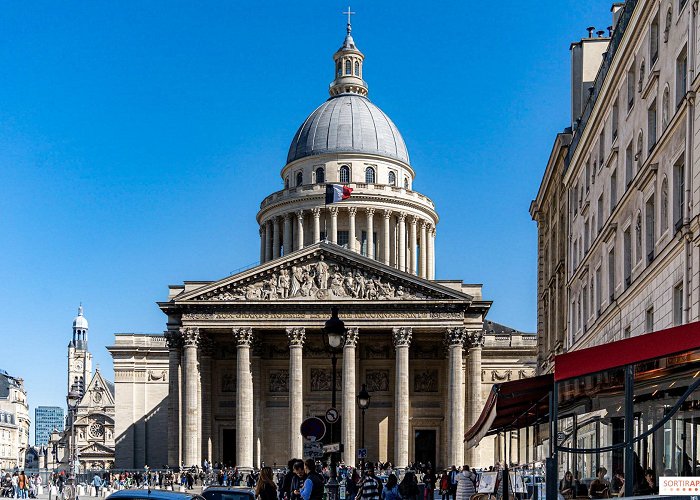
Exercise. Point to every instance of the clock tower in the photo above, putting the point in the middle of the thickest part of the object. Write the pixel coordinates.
(79, 359)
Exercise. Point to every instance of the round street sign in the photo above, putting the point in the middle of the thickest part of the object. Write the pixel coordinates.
(313, 428)
(332, 415)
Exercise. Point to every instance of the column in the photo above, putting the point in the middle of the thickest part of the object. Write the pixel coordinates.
(206, 349)
(402, 241)
(317, 225)
(275, 238)
(244, 399)
(454, 338)
(402, 341)
(287, 236)
(423, 250)
(175, 342)
(474, 343)
(268, 241)
(386, 246)
(300, 230)
(334, 225)
(431, 253)
(349, 392)
(352, 245)
(258, 429)
(370, 233)
(412, 243)
(296, 338)
(262, 243)
(191, 432)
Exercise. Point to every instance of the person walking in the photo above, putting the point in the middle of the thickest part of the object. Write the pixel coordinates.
(429, 481)
(285, 488)
(453, 482)
(466, 484)
(265, 488)
(97, 483)
(408, 489)
(23, 485)
(391, 490)
(297, 482)
(313, 484)
(370, 487)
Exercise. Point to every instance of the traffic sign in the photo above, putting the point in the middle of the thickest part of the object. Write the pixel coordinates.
(362, 453)
(313, 429)
(332, 415)
(333, 448)
(313, 449)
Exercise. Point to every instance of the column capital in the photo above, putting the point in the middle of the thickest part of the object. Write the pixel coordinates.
(296, 336)
(387, 213)
(174, 339)
(369, 211)
(413, 220)
(351, 336)
(316, 211)
(352, 211)
(455, 336)
(402, 336)
(433, 231)
(475, 338)
(190, 336)
(243, 336)
(300, 215)
(287, 217)
(402, 216)
(423, 225)
(333, 210)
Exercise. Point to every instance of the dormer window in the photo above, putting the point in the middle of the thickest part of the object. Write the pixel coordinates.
(344, 174)
(320, 175)
(300, 178)
(392, 178)
(370, 175)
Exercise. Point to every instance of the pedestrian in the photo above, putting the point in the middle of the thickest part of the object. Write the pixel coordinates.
(97, 483)
(297, 482)
(313, 485)
(453, 482)
(285, 488)
(265, 488)
(391, 489)
(600, 487)
(566, 485)
(370, 487)
(466, 484)
(444, 484)
(429, 480)
(408, 489)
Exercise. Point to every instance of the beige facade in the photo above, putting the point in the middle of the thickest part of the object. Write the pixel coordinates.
(14, 421)
(242, 361)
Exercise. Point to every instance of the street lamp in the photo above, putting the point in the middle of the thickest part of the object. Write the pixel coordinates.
(363, 403)
(72, 399)
(333, 338)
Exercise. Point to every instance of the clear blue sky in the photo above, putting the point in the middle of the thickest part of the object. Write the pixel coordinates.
(137, 140)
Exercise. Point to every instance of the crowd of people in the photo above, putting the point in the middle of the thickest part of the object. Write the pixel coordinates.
(20, 485)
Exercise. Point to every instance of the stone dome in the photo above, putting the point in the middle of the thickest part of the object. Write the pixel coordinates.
(80, 322)
(348, 123)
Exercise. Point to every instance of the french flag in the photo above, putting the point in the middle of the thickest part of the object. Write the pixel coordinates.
(336, 193)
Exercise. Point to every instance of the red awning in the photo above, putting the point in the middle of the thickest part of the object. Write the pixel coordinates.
(512, 405)
(628, 351)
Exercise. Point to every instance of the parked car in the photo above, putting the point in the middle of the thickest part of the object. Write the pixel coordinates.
(148, 494)
(228, 493)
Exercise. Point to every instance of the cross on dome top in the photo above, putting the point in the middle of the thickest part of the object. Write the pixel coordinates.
(349, 13)
(348, 65)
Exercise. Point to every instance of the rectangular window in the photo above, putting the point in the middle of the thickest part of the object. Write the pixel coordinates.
(587, 175)
(343, 238)
(651, 123)
(613, 190)
(629, 165)
(575, 256)
(650, 228)
(584, 310)
(678, 304)
(627, 251)
(611, 274)
(649, 322)
(678, 192)
(681, 76)
(630, 88)
(601, 147)
(598, 291)
(615, 119)
(585, 236)
(600, 213)
(654, 41)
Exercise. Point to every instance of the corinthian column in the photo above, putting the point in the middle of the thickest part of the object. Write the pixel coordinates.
(334, 224)
(402, 341)
(402, 241)
(317, 225)
(348, 431)
(352, 246)
(431, 253)
(275, 238)
(300, 230)
(386, 247)
(474, 343)
(262, 243)
(423, 250)
(287, 236)
(206, 350)
(454, 338)
(244, 402)
(190, 438)
(174, 341)
(296, 338)
(370, 233)
(268, 241)
(412, 245)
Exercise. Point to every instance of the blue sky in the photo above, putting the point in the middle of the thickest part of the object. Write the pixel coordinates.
(137, 140)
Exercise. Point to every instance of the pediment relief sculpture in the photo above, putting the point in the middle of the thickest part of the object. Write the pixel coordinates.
(318, 279)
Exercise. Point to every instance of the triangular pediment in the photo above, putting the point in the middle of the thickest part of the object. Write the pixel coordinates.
(98, 393)
(96, 449)
(322, 272)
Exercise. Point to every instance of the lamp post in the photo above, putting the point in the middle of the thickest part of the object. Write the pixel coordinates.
(72, 399)
(363, 403)
(333, 338)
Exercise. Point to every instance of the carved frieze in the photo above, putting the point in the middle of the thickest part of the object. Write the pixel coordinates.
(157, 376)
(501, 375)
(228, 381)
(322, 380)
(279, 381)
(425, 380)
(377, 380)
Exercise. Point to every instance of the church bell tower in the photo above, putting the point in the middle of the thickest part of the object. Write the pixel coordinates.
(79, 359)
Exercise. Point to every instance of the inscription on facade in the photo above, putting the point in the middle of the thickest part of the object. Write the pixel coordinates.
(324, 315)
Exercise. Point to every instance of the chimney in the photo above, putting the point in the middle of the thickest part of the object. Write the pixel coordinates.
(590, 30)
(616, 10)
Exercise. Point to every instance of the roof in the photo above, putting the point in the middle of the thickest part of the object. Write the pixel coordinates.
(348, 123)
(498, 329)
(7, 381)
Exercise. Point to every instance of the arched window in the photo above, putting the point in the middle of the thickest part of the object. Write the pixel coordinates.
(286, 183)
(344, 173)
(665, 104)
(664, 205)
(348, 67)
(320, 175)
(300, 178)
(357, 68)
(339, 69)
(392, 178)
(405, 182)
(667, 27)
(370, 175)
